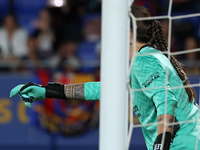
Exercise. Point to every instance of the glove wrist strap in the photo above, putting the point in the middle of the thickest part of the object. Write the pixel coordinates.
(55, 90)
(158, 143)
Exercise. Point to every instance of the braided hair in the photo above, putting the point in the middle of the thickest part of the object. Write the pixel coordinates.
(150, 32)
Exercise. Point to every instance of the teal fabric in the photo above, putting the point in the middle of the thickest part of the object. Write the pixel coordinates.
(153, 79)
(92, 90)
(154, 75)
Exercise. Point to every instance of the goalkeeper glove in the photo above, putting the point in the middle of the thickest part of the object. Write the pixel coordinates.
(31, 92)
(158, 143)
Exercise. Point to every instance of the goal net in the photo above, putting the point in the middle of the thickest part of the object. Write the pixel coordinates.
(189, 53)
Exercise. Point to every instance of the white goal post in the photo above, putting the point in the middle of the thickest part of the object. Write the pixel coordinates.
(114, 75)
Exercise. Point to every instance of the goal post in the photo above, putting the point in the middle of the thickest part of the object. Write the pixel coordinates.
(114, 75)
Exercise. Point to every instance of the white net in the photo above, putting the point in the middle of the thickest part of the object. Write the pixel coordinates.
(170, 18)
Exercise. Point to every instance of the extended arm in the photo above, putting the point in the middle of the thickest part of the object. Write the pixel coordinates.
(31, 92)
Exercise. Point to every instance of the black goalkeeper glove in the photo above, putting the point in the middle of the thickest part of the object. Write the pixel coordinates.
(158, 143)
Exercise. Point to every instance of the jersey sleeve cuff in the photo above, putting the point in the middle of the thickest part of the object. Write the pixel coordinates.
(92, 90)
(159, 101)
(171, 109)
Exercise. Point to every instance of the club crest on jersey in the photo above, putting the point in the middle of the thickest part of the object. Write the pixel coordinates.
(150, 79)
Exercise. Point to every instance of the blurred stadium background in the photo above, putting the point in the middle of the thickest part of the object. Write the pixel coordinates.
(59, 41)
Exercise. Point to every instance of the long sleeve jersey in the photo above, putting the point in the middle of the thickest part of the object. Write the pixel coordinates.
(158, 90)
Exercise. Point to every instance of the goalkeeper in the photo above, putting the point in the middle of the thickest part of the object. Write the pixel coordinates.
(156, 76)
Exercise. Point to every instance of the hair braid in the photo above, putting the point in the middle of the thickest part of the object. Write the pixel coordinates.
(158, 41)
(150, 32)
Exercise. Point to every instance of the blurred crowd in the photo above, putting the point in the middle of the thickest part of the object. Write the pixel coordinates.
(67, 38)
(53, 41)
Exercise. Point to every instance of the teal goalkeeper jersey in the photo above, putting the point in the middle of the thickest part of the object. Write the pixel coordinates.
(156, 89)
